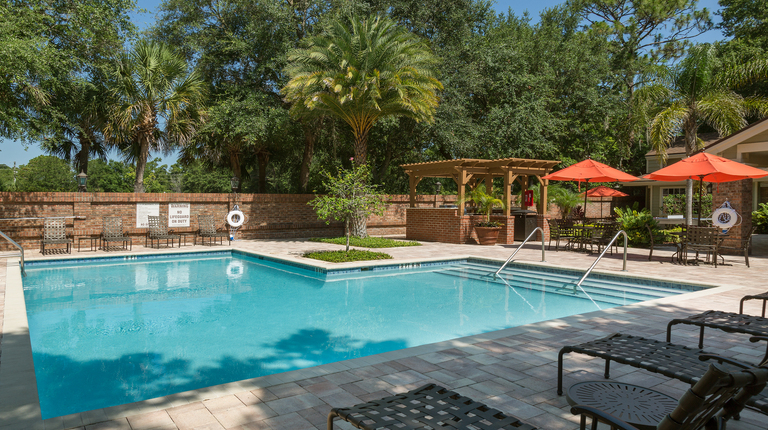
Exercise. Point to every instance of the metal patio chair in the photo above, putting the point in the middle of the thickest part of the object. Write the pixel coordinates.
(112, 231)
(701, 240)
(158, 230)
(207, 228)
(55, 233)
(741, 246)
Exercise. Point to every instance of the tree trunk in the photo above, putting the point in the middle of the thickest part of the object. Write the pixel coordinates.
(359, 220)
(690, 128)
(237, 170)
(310, 137)
(141, 163)
(82, 156)
(263, 157)
(359, 225)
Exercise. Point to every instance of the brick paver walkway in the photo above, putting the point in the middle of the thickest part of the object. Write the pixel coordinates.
(513, 370)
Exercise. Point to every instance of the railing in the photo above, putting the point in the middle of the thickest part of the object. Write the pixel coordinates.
(624, 268)
(13, 242)
(521, 247)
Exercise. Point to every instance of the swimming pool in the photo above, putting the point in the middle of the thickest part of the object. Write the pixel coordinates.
(112, 331)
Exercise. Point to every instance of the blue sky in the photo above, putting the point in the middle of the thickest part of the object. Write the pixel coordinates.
(12, 151)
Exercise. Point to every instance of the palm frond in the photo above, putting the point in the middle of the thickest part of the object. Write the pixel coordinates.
(667, 125)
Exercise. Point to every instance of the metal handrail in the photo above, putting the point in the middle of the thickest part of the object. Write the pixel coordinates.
(521, 247)
(624, 269)
(13, 242)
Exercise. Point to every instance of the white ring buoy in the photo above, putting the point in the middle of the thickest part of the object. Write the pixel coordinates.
(725, 218)
(235, 269)
(235, 218)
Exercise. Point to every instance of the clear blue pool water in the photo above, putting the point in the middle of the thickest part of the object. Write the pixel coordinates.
(116, 332)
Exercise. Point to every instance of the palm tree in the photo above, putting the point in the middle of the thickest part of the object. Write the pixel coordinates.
(699, 90)
(152, 85)
(80, 136)
(361, 72)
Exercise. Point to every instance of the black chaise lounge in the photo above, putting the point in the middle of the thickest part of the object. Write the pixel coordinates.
(55, 233)
(207, 229)
(158, 230)
(714, 399)
(668, 359)
(112, 231)
(728, 322)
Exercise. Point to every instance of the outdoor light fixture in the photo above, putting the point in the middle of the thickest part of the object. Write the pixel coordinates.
(438, 187)
(82, 178)
(235, 183)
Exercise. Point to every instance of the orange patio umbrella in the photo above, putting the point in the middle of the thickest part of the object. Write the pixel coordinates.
(603, 191)
(590, 171)
(706, 167)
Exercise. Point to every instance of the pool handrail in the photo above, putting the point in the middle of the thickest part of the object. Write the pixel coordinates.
(521, 247)
(624, 268)
(21, 250)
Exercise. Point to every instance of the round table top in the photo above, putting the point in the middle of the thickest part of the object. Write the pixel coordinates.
(642, 407)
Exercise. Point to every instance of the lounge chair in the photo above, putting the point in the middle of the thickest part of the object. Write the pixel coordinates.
(717, 397)
(761, 296)
(112, 231)
(728, 322)
(207, 228)
(158, 230)
(55, 233)
(668, 359)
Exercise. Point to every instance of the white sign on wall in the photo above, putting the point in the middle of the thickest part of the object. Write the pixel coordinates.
(178, 215)
(143, 210)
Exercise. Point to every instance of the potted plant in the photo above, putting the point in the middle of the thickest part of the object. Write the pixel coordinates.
(487, 231)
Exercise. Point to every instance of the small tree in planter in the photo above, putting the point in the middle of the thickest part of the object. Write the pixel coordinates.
(487, 231)
(348, 195)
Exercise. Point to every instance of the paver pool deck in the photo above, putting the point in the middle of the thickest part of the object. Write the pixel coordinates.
(513, 370)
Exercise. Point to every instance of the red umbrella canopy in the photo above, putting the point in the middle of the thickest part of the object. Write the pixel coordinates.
(590, 171)
(706, 167)
(603, 191)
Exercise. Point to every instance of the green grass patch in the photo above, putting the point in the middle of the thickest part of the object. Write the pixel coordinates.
(368, 242)
(343, 257)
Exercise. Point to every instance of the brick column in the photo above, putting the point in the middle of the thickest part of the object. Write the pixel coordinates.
(739, 194)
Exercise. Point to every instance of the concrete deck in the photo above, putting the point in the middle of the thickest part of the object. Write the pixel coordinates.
(513, 370)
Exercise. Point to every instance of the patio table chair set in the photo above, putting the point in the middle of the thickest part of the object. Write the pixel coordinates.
(593, 232)
(709, 241)
(719, 391)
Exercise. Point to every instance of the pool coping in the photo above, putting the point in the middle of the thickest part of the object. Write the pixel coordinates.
(20, 407)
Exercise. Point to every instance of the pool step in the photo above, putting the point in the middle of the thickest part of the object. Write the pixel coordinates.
(611, 292)
(649, 290)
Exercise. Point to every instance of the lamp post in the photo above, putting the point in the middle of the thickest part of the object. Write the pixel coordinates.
(82, 179)
(438, 187)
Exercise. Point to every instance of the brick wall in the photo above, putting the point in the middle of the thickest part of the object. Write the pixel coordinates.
(739, 194)
(269, 216)
(444, 225)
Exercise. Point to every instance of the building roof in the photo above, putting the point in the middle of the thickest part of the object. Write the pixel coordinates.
(678, 145)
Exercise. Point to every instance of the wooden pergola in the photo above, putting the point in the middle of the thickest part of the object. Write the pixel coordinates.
(464, 170)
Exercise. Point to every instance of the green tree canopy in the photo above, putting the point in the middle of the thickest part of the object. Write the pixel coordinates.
(361, 71)
(46, 173)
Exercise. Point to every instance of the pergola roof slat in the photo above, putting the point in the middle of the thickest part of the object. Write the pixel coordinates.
(499, 167)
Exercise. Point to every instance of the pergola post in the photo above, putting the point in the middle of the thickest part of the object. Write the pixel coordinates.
(462, 182)
(543, 196)
(524, 183)
(413, 181)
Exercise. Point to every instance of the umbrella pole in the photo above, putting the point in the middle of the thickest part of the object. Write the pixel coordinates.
(585, 200)
(701, 183)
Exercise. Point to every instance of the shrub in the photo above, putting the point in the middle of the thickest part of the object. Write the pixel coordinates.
(347, 256)
(634, 222)
(760, 218)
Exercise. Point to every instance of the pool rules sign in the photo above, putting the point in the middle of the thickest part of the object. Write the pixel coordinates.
(178, 215)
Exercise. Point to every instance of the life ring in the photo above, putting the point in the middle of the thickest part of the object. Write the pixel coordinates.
(235, 218)
(235, 269)
(725, 218)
